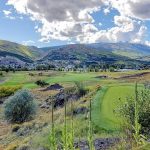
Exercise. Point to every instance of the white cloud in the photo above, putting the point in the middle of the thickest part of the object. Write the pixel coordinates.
(132, 8)
(7, 14)
(106, 11)
(100, 24)
(69, 20)
(62, 20)
(29, 42)
(126, 30)
(147, 43)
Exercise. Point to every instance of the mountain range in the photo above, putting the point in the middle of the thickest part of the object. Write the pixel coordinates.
(83, 52)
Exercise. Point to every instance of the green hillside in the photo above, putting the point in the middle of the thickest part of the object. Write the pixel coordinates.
(25, 51)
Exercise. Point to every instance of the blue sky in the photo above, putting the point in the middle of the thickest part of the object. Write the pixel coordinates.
(62, 22)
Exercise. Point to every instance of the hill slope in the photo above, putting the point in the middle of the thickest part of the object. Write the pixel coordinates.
(24, 53)
(107, 52)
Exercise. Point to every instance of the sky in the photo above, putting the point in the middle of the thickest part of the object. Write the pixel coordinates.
(57, 22)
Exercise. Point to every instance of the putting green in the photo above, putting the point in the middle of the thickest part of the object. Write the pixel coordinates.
(106, 101)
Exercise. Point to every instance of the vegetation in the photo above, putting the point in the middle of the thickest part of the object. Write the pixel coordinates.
(82, 91)
(1, 74)
(41, 83)
(136, 112)
(6, 91)
(86, 117)
(20, 107)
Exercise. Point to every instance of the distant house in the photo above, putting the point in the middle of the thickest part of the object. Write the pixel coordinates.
(69, 68)
(125, 70)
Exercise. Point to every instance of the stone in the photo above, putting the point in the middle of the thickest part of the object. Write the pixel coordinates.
(45, 105)
(24, 147)
(81, 110)
(15, 128)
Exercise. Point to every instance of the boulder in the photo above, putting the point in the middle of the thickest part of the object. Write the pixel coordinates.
(81, 110)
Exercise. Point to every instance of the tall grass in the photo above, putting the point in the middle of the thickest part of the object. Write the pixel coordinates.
(139, 138)
(132, 111)
(72, 127)
(52, 137)
(68, 127)
(64, 132)
(90, 133)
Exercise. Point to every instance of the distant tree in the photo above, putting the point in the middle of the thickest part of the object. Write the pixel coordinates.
(111, 69)
(7, 70)
(42, 67)
(1, 74)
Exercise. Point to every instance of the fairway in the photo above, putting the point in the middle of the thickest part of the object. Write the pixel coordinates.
(27, 81)
(106, 101)
(73, 77)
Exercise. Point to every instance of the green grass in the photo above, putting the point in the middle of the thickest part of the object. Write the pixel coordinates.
(23, 78)
(16, 78)
(106, 101)
(72, 77)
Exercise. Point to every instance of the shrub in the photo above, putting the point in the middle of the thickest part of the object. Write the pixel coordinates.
(82, 91)
(1, 74)
(20, 107)
(128, 110)
(8, 90)
(41, 83)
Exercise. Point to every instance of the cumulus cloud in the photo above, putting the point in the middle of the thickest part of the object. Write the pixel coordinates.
(106, 11)
(7, 14)
(134, 8)
(147, 43)
(69, 20)
(60, 20)
(126, 29)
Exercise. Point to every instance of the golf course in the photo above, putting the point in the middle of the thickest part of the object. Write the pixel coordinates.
(107, 92)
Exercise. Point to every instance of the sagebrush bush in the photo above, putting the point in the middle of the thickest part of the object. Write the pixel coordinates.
(8, 90)
(20, 107)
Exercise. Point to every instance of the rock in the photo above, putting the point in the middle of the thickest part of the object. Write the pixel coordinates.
(148, 140)
(82, 145)
(81, 110)
(1, 102)
(45, 105)
(15, 128)
(24, 131)
(42, 148)
(104, 144)
(24, 147)
(59, 98)
(99, 144)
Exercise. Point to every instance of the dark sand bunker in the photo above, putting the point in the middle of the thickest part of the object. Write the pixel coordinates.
(138, 75)
(53, 87)
(102, 77)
